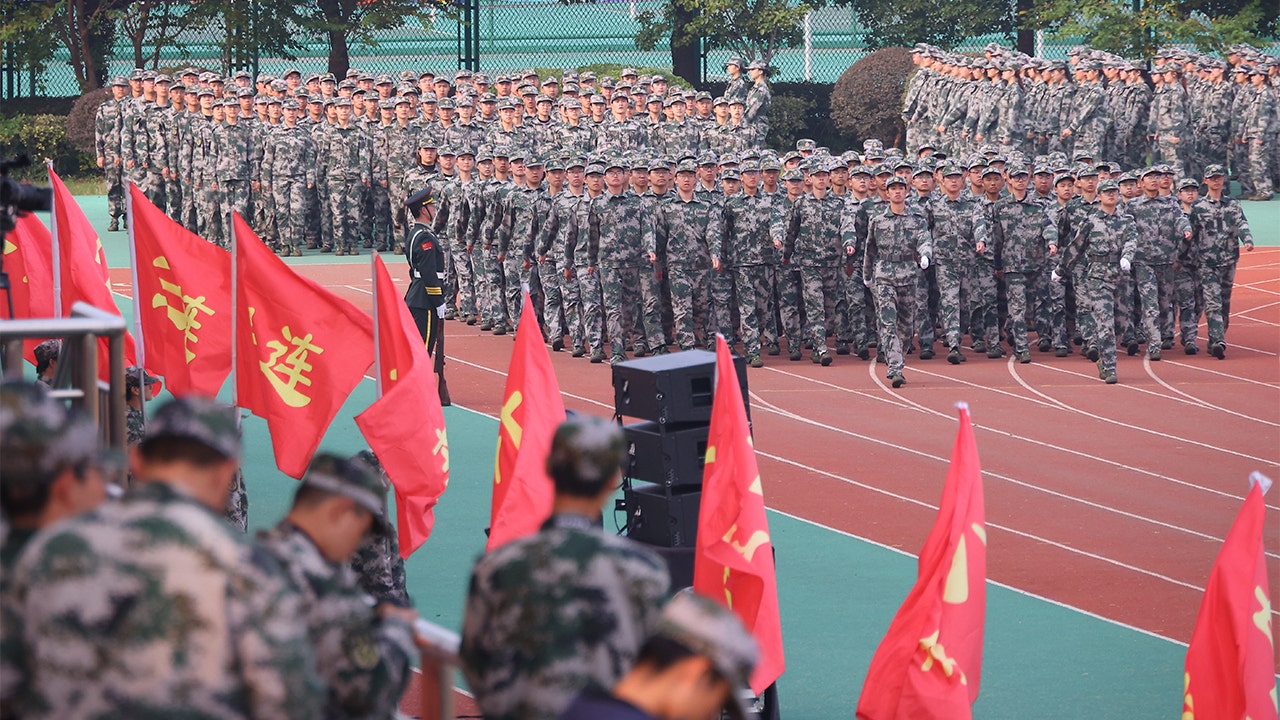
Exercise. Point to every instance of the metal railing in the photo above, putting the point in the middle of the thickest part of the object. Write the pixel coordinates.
(439, 665)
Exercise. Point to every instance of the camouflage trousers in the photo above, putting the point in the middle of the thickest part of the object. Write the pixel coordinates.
(237, 508)
(1167, 152)
(212, 221)
(753, 285)
(1053, 320)
(397, 193)
(1260, 168)
(234, 196)
(325, 211)
(344, 213)
(188, 217)
(631, 292)
(1089, 141)
(690, 283)
(895, 307)
(380, 569)
(114, 174)
(173, 199)
(264, 219)
(721, 305)
(552, 299)
(788, 279)
(860, 316)
(152, 186)
(821, 288)
(1099, 290)
(1086, 327)
(515, 276)
(490, 281)
(1215, 284)
(380, 232)
(1211, 149)
(1241, 171)
(1126, 308)
(926, 306)
(570, 303)
(1020, 294)
(291, 225)
(464, 270)
(984, 305)
(590, 293)
(949, 277)
(1189, 301)
(1155, 302)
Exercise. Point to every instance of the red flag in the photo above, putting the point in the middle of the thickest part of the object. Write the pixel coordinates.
(85, 274)
(1229, 662)
(408, 418)
(532, 409)
(734, 558)
(184, 300)
(930, 662)
(300, 350)
(28, 259)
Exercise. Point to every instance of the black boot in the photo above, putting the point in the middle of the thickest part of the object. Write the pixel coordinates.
(443, 388)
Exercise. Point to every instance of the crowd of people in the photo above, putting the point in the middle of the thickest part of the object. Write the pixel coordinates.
(149, 603)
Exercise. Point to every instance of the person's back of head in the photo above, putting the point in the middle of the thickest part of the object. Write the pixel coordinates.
(50, 458)
(340, 501)
(192, 443)
(586, 457)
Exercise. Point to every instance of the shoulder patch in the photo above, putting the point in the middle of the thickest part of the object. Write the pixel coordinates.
(427, 245)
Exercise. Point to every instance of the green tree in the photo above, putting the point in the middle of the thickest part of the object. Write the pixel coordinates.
(347, 22)
(152, 25)
(84, 27)
(28, 46)
(946, 23)
(1137, 28)
(754, 29)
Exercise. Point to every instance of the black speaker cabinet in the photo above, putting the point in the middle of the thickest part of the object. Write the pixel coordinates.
(679, 565)
(656, 516)
(671, 455)
(674, 388)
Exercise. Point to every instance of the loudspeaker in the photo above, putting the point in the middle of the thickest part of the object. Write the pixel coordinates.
(673, 388)
(671, 455)
(656, 516)
(679, 565)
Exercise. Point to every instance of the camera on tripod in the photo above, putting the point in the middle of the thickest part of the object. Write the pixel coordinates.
(18, 198)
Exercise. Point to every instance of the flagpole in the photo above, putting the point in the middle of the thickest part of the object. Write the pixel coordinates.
(377, 344)
(57, 254)
(138, 348)
(235, 317)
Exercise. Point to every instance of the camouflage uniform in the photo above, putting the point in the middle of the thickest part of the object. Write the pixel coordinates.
(348, 174)
(894, 241)
(1100, 241)
(201, 624)
(577, 254)
(526, 207)
(748, 253)
(1071, 218)
(813, 243)
(561, 229)
(759, 100)
(853, 233)
(620, 136)
(552, 613)
(1219, 228)
(1162, 229)
(106, 127)
(619, 235)
(1169, 121)
(958, 226)
(364, 659)
(681, 236)
(289, 174)
(787, 279)
(486, 212)
(1021, 232)
(235, 147)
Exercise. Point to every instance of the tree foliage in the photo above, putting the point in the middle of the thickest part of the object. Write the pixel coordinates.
(1137, 30)
(348, 22)
(866, 101)
(84, 27)
(753, 29)
(946, 23)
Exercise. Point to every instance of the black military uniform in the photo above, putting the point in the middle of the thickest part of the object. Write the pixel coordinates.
(425, 297)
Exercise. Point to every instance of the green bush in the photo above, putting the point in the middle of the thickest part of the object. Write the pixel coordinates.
(80, 120)
(43, 136)
(866, 101)
(799, 110)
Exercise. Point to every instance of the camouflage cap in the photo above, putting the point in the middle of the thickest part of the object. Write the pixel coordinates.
(595, 169)
(1214, 171)
(1084, 171)
(793, 174)
(133, 376)
(770, 164)
(506, 103)
(163, 79)
(353, 479)
(119, 81)
(1060, 177)
(554, 164)
(598, 99)
(731, 174)
(713, 631)
(702, 96)
(446, 104)
(532, 160)
(47, 351)
(39, 436)
(1108, 184)
(196, 418)
(527, 91)
(551, 80)
(720, 100)
(950, 168)
(660, 164)
(587, 449)
(750, 166)
(1189, 184)
(1015, 169)
(384, 80)
(687, 166)
(735, 60)
(758, 65)
(628, 72)
(1130, 176)
(572, 104)
(245, 92)
(484, 154)
(895, 180)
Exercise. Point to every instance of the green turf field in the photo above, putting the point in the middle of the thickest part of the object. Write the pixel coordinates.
(837, 592)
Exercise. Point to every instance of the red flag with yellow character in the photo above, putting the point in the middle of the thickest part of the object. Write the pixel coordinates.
(1229, 672)
(930, 661)
(184, 300)
(532, 409)
(300, 350)
(407, 421)
(734, 559)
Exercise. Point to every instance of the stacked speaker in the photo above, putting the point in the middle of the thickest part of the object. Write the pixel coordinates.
(671, 396)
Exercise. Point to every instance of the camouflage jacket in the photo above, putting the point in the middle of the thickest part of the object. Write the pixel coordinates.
(748, 225)
(1101, 239)
(235, 147)
(1162, 228)
(677, 139)
(379, 568)
(1168, 114)
(683, 231)
(619, 232)
(346, 154)
(576, 139)
(958, 226)
(185, 618)
(812, 232)
(290, 154)
(737, 88)
(1219, 228)
(895, 242)
(106, 128)
(1022, 233)
(555, 612)
(620, 136)
(463, 137)
(558, 236)
(362, 658)
(759, 100)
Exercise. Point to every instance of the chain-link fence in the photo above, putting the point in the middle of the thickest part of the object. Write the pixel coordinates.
(512, 34)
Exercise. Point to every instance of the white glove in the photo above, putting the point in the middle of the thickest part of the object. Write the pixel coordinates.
(440, 311)
(924, 262)
(1125, 265)
(1054, 276)
(866, 281)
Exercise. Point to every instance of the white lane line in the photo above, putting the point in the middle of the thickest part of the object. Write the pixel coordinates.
(1241, 378)
(1146, 365)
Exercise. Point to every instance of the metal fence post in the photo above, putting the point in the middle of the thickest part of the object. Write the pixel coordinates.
(808, 47)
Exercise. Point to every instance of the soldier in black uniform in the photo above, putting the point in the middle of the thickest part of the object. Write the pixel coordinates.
(425, 297)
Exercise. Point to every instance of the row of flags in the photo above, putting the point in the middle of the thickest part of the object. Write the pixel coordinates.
(298, 351)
